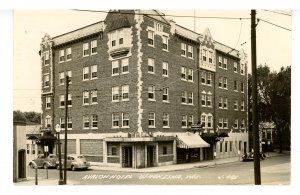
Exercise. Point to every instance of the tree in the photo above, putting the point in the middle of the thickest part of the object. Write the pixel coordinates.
(274, 100)
(33, 117)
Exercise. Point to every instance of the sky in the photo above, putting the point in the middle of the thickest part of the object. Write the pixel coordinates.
(274, 44)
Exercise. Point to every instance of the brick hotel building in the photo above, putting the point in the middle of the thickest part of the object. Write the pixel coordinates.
(139, 84)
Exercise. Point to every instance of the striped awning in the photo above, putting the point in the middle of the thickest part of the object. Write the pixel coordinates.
(190, 141)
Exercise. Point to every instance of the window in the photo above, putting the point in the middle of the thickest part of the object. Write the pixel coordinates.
(27, 149)
(235, 67)
(235, 105)
(86, 73)
(115, 67)
(94, 47)
(191, 120)
(203, 78)
(242, 105)
(225, 103)
(62, 122)
(208, 101)
(243, 123)
(115, 94)
(226, 146)
(125, 65)
(151, 92)
(165, 120)
(183, 73)
(61, 100)
(94, 72)
(151, 122)
(190, 75)
(225, 63)
(94, 97)
(183, 49)
(190, 98)
(94, 121)
(204, 55)
(46, 58)
(230, 146)
(203, 99)
(150, 65)
(69, 73)
(69, 54)
(221, 102)
(225, 124)
(125, 92)
(115, 120)
(150, 38)
(225, 83)
(242, 87)
(61, 55)
(183, 121)
(46, 80)
(240, 145)
(220, 123)
(158, 26)
(236, 123)
(209, 121)
(183, 97)
(85, 49)
(220, 82)
(165, 69)
(113, 37)
(69, 123)
(242, 69)
(220, 61)
(203, 118)
(61, 78)
(166, 94)
(208, 78)
(69, 100)
(86, 98)
(190, 51)
(221, 146)
(48, 121)
(86, 122)
(165, 150)
(113, 151)
(165, 42)
(121, 37)
(125, 120)
(235, 87)
(48, 102)
(210, 56)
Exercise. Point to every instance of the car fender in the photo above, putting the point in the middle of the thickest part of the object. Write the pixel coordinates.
(32, 162)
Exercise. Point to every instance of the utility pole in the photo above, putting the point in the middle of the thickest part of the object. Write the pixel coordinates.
(66, 128)
(257, 176)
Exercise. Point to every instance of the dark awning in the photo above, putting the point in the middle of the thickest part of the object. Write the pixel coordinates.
(222, 134)
(219, 133)
(48, 137)
(33, 137)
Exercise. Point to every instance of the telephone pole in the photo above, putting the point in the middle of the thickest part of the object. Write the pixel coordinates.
(257, 176)
(66, 128)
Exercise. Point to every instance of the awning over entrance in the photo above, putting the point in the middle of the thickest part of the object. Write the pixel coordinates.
(190, 141)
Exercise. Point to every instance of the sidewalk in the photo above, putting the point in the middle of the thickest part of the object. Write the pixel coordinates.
(30, 181)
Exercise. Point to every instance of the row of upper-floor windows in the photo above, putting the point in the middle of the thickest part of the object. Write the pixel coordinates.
(223, 64)
(223, 104)
(223, 123)
(88, 48)
(223, 84)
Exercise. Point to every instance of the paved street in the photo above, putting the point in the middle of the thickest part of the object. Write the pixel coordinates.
(274, 170)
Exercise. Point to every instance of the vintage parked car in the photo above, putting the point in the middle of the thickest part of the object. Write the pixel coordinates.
(250, 156)
(75, 162)
(44, 162)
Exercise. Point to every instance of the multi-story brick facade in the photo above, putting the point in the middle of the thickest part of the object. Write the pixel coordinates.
(138, 83)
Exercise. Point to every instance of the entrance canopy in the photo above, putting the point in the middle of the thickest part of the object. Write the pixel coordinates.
(189, 140)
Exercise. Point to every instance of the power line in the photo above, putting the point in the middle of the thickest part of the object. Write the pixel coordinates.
(169, 15)
(238, 38)
(274, 24)
(277, 12)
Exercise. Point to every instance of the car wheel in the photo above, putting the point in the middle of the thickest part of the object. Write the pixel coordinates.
(45, 166)
(73, 168)
(57, 167)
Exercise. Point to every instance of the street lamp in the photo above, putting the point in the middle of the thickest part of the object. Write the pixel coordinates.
(61, 180)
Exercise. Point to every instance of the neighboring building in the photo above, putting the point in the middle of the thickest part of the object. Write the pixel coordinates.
(33, 146)
(267, 134)
(19, 151)
(138, 84)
